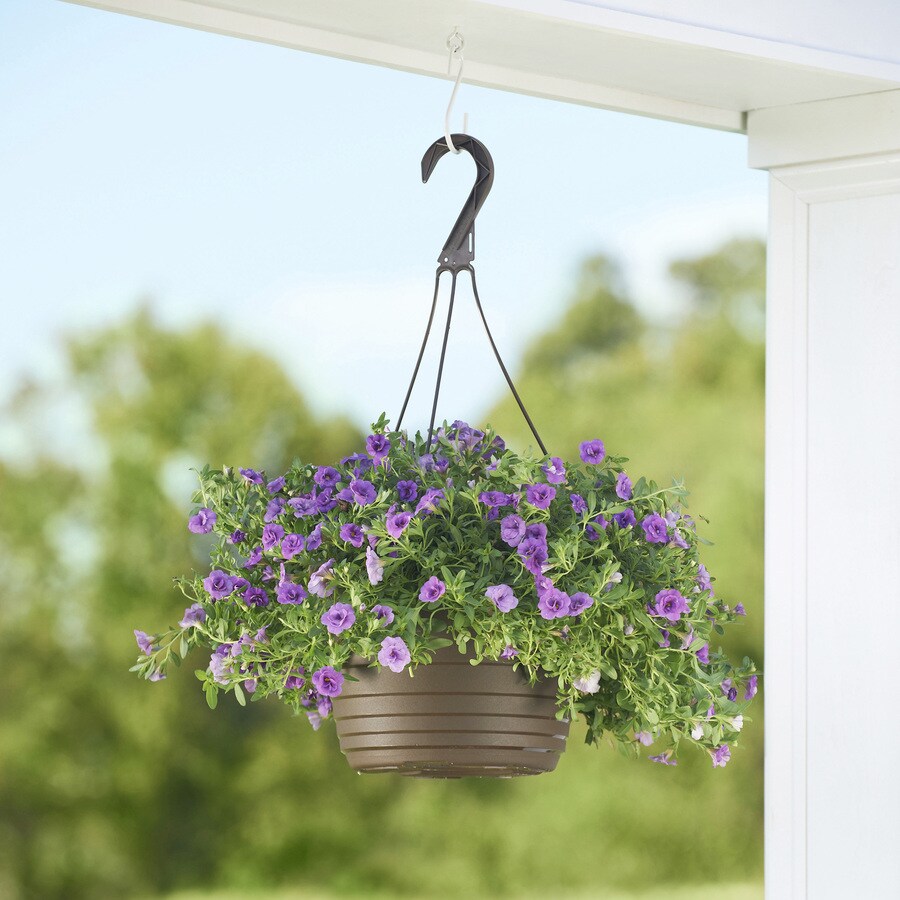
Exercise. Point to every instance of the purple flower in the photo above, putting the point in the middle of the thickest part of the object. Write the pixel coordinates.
(508, 652)
(294, 682)
(540, 495)
(623, 487)
(328, 682)
(592, 452)
(326, 477)
(678, 540)
(291, 545)
(720, 756)
(274, 508)
(555, 470)
(156, 676)
(739, 610)
(533, 553)
(194, 615)
(271, 535)
(363, 491)
(254, 557)
(384, 613)
(407, 491)
(323, 706)
(318, 581)
(144, 642)
(669, 604)
(256, 596)
(703, 654)
(218, 664)
(587, 684)
(579, 602)
(202, 522)
(591, 533)
(578, 504)
(600, 521)
(377, 446)
(554, 604)
(338, 618)
(252, 476)
(396, 523)
(502, 596)
(432, 590)
(237, 536)
(374, 567)
(664, 758)
(665, 642)
(218, 585)
(324, 501)
(655, 529)
(536, 531)
(303, 506)
(314, 541)
(750, 693)
(352, 534)
(625, 519)
(512, 530)
(394, 654)
(494, 499)
(290, 593)
(430, 501)
(273, 487)
(643, 737)
(703, 580)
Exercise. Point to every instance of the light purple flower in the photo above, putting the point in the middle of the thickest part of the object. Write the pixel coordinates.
(533, 553)
(271, 535)
(318, 581)
(739, 610)
(254, 557)
(274, 508)
(592, 452)
(396, 523)
(655, 529)
(194, 615)
(377, 446)
(156, 676)
(536, 531)
(237, 536)
(249, 685)
(555, 470)
(323, 706)
(218, 584)
(294, 682)
(351, 533)
(432, 590)
(720, 756)
(407, 491)
(512, 529)
(623, 486)
(394, 654)
(643, 737)
(494, 499)
(578, 504)
(579, 602)
(314, 541)
(502, 596)
(252, 476)
(508, 652)
(430, 501)
(374, 566)
(669, 604)
(677, 540)
(328, 682)
(256, 596)
(303, 506)
(290, 593)
(363, 491)
(219, 664)
(338, 618)
(665, 642)
(553, 604)
(750, 693)
(625, 519)
(703, 580)
(384, 613)
(326, 477)
(703, 654)
(274, 486)
(664, 758)
(540, 495)
(588, 684)
(202, 522)
(291, 545)
(144, 642)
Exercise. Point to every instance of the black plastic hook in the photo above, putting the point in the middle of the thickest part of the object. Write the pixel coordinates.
(459, 248)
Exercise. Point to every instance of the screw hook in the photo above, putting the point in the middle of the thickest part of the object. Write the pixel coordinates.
(455, 44)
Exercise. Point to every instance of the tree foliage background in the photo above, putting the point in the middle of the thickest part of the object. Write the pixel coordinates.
(110, 787)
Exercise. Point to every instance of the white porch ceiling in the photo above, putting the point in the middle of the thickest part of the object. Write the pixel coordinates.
(579, 52)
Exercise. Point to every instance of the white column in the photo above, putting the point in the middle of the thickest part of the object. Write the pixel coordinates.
(832, 666)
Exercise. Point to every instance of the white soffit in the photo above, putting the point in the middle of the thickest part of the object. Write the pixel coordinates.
(561, 49)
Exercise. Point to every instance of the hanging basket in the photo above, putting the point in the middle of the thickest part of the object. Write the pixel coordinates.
(451, 720)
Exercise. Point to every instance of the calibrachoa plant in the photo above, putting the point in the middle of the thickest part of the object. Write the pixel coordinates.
(570, 571)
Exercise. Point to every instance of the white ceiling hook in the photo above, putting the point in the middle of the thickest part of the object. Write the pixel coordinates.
(455, 44)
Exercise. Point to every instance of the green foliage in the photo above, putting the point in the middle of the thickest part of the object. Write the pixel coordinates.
(620, 660)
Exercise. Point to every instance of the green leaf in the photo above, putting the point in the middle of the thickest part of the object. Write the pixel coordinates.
(212, 696)
(239, 695)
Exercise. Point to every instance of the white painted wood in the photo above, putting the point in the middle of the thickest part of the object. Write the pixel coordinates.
(832, 547)
(559, 49)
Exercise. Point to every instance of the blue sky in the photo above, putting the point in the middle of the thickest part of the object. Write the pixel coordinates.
(279, 192)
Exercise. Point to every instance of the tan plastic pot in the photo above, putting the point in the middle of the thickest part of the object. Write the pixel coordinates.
(451, 720)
